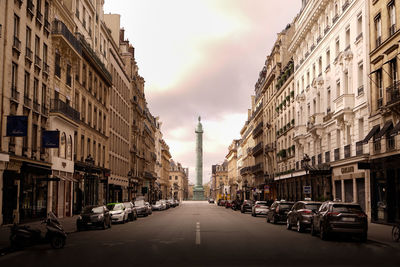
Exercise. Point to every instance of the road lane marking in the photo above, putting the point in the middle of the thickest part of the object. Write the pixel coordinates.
(198, 233)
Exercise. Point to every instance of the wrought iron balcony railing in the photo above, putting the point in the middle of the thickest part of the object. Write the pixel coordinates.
(57, 105)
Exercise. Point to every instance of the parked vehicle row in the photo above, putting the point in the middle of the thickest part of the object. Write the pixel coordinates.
(322, 218)
(165, 204)
(104, 215)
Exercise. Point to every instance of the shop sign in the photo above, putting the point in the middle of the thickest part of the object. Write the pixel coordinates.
(307, 189)
(17, 125)
(347, 169)
(51, 139)
(266, 189)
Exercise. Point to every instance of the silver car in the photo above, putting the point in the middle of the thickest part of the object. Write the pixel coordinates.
(159, 205)
(117, 212)
(130, 210)
(259, 208)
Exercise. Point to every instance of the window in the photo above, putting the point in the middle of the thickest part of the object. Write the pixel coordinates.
(37, 45)
(378, 30)
(82, 146)
(176, 178)
(16, 26)
(90, 114)
(348, 38)
(360, 129)
(28, 38)
(170, 178)
(57, 63)
(46, 11)
(393, 71)
(360, 77)
(44, 53)
(379, 82)
(62, 150)
(83, 109)
(88, 148)
(346, 84)
(26, 84)
(337, 88)
(359, 26)
(337, 50)
(328, 58)
(34, 137)
(392, 17)
(68, 76)
(44, 95)
(14, 76)
(77, 9)
(35, 90)
(69, 148)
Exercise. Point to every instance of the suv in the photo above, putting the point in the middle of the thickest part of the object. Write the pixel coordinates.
(301, 214)
(340, 217)
(278, 211)
(246, 206)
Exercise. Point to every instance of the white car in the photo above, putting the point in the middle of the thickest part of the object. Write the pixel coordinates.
(259, 208)
(117, 212)
(159, 205)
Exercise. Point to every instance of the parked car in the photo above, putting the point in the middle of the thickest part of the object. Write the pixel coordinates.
(221, 202)
(171, 203)
(278, 211)
(228, 204)
(301, 214)
(141, 208)
(246, 206)
(93, 216)
(340, 217)
(117, 212)
(211, 201)
(149, 209)
(130, 209)
(176, 202)
(165, 203)
(260, 208)
(236, 204)
(159, 205)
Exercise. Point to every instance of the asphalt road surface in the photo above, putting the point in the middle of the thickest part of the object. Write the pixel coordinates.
(202, 234)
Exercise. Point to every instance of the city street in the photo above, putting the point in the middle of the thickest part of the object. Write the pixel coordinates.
(198, 233)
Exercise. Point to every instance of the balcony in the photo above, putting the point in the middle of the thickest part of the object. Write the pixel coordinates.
(17, 45)
(27, 102)
(59, 30)
(392, 29)
(327, 156)
(359, 148)
(39, 17)
(38, 62)
(245, 170)
(46, 68)
(360, 90)
(393, 94)
(258, 130)
(58, 106)
(336, 153)
(343, 103)
(14, 94)
(345, 5)
(347, 151)
(29, 7)
(36, 106)
(335, 18)
(45, 110)
(257, 168)
(258, 149)
(270, 147)
(28, 54)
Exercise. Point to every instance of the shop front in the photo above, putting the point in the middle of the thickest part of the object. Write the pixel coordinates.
(385, 189)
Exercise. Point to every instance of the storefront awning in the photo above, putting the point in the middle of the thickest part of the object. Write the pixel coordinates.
(371, 133)
(384, 129)
(395, 129)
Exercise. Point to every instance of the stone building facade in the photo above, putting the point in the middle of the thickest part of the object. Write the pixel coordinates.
(178, 181)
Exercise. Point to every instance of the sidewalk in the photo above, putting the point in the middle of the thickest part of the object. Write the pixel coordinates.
(69, 224)
(381, 233)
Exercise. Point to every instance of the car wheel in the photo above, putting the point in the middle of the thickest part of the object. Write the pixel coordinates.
(313, 232)
(288, 226)
(322, 233)
(299, 227)
(274, 219)
(268, 221)
(57, 242)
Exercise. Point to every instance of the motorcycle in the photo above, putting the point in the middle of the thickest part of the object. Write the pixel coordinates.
(23, 235)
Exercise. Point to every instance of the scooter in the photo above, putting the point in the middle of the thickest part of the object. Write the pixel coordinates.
(23, 235)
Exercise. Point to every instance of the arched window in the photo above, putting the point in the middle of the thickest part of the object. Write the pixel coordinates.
(61, 151)
(69, 148)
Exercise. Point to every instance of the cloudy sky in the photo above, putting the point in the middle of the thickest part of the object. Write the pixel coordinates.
(201, 57)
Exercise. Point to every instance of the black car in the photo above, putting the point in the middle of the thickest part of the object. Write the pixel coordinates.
(141, 208)
(246, 206)
(301, 215)
(278, 211)
(340, 217)
(94, 216)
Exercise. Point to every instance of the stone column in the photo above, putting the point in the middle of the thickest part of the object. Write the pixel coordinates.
(198, 190)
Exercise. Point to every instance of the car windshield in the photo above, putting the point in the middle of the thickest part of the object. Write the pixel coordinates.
(114, 207)
(262, 203)
(127, 205)
(346, 208)
(313, 207)
(285, 206)
(139, 203)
